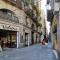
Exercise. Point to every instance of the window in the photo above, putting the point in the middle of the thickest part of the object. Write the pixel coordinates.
(8, 15)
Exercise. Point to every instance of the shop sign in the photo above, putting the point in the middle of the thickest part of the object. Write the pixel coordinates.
(8, 27)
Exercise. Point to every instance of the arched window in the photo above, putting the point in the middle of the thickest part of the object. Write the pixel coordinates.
(7, 14)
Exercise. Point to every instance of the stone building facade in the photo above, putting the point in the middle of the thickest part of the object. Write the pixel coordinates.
(17, 27)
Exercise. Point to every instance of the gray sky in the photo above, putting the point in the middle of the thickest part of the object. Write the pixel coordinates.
(43, 6)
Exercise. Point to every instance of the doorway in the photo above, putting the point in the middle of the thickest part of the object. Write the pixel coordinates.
(26, 39)
(8, 38)
(32, 37)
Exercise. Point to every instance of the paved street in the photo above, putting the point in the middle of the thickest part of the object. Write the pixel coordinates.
(35, 52)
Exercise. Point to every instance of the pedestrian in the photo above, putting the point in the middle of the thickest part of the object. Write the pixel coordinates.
(43, 42)
(46, 42)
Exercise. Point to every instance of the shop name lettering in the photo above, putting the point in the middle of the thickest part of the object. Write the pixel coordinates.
(8, 27)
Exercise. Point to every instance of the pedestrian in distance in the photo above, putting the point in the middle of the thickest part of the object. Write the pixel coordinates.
(45, 42)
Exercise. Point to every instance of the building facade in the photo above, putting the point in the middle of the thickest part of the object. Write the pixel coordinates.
(54, 18)
(18, 25)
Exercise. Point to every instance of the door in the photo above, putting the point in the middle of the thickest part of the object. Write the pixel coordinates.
(32, 37)
(26, 39)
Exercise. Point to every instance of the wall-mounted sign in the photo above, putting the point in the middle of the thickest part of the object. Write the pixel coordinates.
(9, 27)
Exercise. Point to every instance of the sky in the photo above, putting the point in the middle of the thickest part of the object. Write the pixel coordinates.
(44, 7)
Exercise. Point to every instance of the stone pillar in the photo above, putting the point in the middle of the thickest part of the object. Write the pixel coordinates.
(18, 39)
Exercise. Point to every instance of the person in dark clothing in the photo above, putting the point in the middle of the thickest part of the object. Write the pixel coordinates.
(46, 40)
(43, 42)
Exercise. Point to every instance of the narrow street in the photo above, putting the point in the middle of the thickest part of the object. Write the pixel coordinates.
(35, 52)
(24, 24)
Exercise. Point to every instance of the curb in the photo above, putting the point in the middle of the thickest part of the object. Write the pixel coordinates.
(56, 54)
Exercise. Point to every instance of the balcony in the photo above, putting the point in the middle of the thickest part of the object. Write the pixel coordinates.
(50, 15)
(13, 1)
(8, 17)
(34, 18)
(30, 13)
(18, 3)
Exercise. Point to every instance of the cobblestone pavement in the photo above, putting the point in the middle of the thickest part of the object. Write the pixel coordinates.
(35, 52)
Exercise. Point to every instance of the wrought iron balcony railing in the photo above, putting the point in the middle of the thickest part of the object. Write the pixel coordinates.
(30, 13)
(13, 1)
(28, 9)
(18, 3)
(9, 17)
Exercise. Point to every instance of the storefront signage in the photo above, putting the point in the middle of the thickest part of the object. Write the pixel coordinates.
(8, 27)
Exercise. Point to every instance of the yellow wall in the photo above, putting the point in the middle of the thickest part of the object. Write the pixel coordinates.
(55, 42)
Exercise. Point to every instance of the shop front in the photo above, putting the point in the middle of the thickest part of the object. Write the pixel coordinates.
(27, 36)
(9, 36)
(37, 37)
